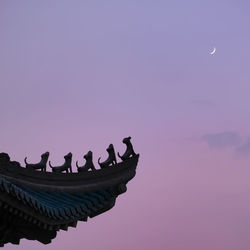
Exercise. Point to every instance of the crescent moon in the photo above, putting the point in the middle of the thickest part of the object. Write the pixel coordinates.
(211, 53)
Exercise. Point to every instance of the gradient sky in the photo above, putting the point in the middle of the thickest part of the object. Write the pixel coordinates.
(78, 75)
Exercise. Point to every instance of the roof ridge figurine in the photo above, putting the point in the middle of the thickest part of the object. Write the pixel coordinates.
(88, 165)
(129, 150)
(111, 160)
(40, 165)
(66, 166)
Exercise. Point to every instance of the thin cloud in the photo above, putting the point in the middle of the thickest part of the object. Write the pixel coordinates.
(245, 147)
(202, 103)
(222, 140)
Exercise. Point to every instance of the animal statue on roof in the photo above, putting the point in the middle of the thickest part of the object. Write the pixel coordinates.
(40, 165)
(4, 158)
(129, 150)
(111, 160)
(65, 167)
(88, 164)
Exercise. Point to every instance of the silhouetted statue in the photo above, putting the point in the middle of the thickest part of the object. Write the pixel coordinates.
(111, 158)
(65, 167)
(4, 158)
(129, 151)
(40, 165)
(89, 163)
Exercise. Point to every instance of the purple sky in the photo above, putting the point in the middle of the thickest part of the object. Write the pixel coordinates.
(78, 75)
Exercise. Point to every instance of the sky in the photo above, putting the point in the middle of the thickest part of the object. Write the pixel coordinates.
(78, 75)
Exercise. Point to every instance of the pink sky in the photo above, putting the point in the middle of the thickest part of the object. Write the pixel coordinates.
(79, 75)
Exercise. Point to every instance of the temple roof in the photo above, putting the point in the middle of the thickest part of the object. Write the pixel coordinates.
(60, 206)
(35, 204)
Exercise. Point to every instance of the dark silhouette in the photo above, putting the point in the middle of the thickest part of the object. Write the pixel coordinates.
(37, 204)
(40, 165)
(111, 160)
(65, 167)
(4, 158)
(129, 151)
(89, 163)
